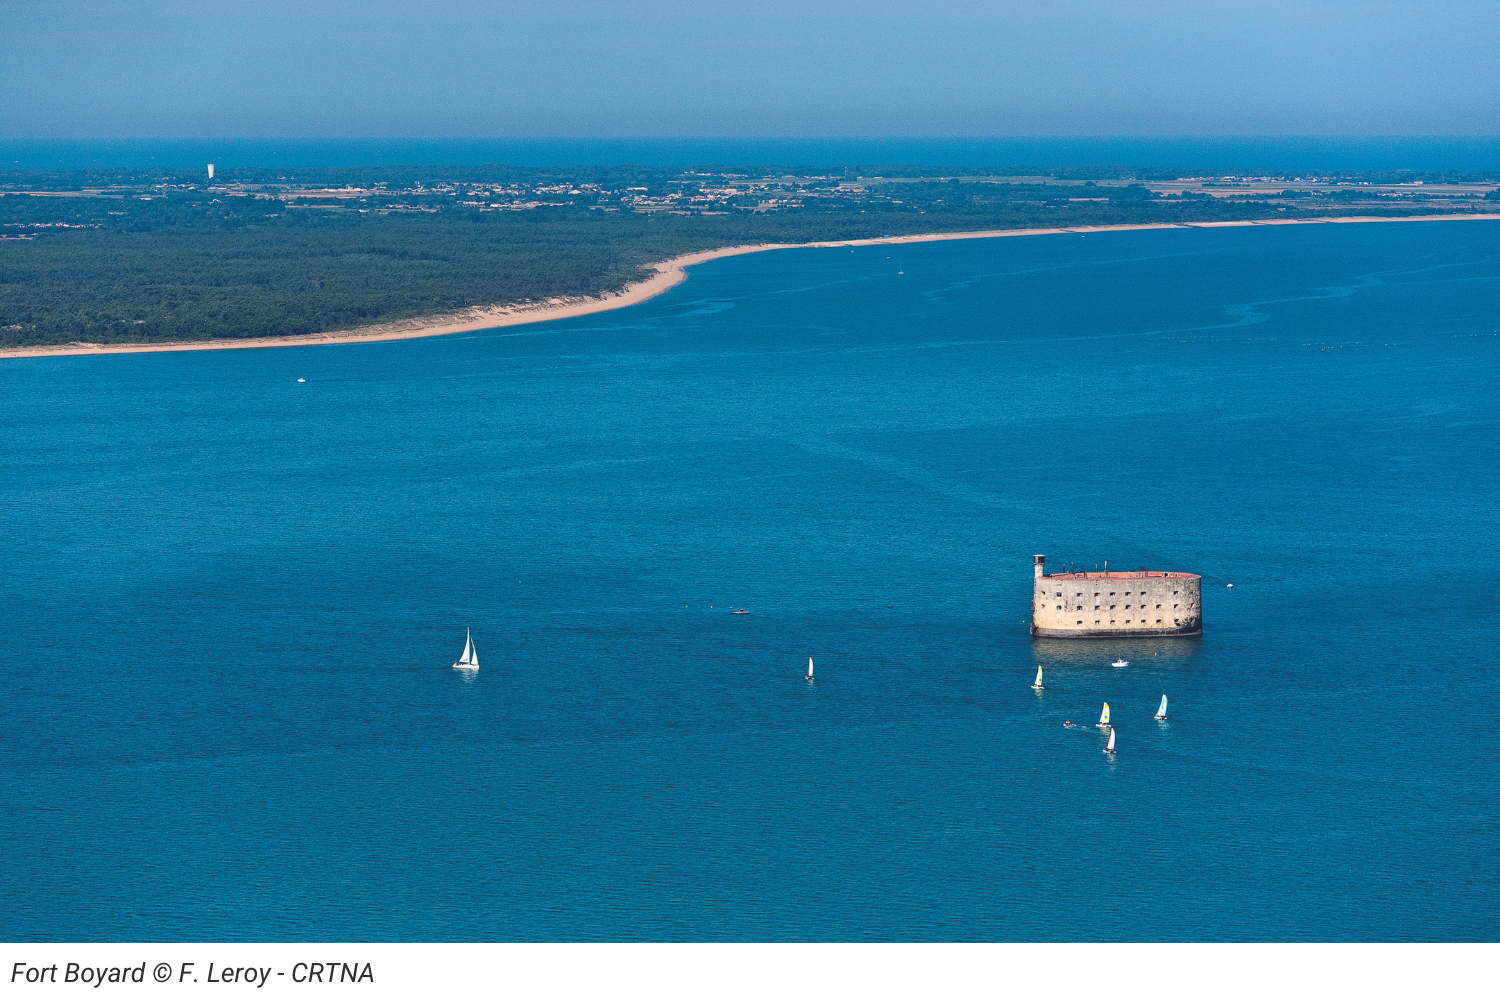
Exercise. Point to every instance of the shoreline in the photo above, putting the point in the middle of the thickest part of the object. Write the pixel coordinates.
(669, 273)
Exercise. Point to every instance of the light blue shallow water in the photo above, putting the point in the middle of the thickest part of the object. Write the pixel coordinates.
(231, 601)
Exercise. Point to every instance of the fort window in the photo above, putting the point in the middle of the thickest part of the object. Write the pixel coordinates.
(1158, 607)
(1176, 622)
(1158, 621)
(1096, 607)
(1111, 593)
(1059, 607)
(1174, 607)
(1078, 623)
(1096, 621)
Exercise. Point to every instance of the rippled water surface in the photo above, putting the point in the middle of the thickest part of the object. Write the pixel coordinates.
(231, 601)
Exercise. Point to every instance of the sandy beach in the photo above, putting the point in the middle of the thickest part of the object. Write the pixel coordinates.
(668, 273)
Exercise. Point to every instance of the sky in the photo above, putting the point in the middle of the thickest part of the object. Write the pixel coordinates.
(447, 68)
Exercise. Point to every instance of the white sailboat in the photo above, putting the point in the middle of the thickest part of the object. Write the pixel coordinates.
(809, 668)
(1104, 717)
(1161, 713)
(1038, 685)
(1110, 746)
(470, 659)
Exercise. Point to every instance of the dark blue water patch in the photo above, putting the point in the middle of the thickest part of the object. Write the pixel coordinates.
(232, 601)
(1199, 153)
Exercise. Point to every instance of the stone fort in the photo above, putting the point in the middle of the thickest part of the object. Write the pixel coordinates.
(1114, 605)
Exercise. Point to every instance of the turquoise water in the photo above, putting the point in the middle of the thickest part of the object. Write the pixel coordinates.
(232, 600)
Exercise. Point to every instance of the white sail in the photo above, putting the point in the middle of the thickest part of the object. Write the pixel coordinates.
(1110, 748)
(469, 661)
(1038, 676)
(809, 668)
(1104, 715)
(1161, 713)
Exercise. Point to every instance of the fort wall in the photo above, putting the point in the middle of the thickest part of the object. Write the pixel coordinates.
(1113, 605)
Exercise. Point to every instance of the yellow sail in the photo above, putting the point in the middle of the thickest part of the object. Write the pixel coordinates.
(1038, 676)
(1104, 715)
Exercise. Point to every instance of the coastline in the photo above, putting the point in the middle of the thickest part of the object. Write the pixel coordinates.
(669, 273)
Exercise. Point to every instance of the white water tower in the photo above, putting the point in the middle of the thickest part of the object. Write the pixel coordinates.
(210, 171)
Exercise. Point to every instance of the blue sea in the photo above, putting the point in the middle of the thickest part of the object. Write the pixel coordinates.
(1210, 154)
(232, 600)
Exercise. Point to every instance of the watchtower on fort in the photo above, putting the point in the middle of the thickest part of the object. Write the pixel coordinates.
(1114, 605)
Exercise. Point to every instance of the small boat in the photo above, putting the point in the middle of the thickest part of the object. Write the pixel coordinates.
(302, 380)
(809, 668)
(1104, 717)
(741, 611)
(470, 659)
(1120, 663)
(1109, 747)
(1161, 713)
(1229, 586)
(1038, 685)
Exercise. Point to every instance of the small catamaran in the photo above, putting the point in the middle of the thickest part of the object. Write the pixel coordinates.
(1104, 717)
(1109, 747)
(470, 659)
(1161, 713)
(1038, 685)
(809, 668)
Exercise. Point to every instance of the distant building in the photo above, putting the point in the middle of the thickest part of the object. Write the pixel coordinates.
(1113, 605)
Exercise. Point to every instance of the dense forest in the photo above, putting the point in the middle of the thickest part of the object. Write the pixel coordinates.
(133, 256)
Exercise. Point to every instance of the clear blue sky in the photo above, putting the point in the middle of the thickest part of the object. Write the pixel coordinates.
(146, 68)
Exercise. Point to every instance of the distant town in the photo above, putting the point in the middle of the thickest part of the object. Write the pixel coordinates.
(705, 192)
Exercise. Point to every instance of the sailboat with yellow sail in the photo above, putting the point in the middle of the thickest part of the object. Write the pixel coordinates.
(1038, 685)
(1104, 717)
